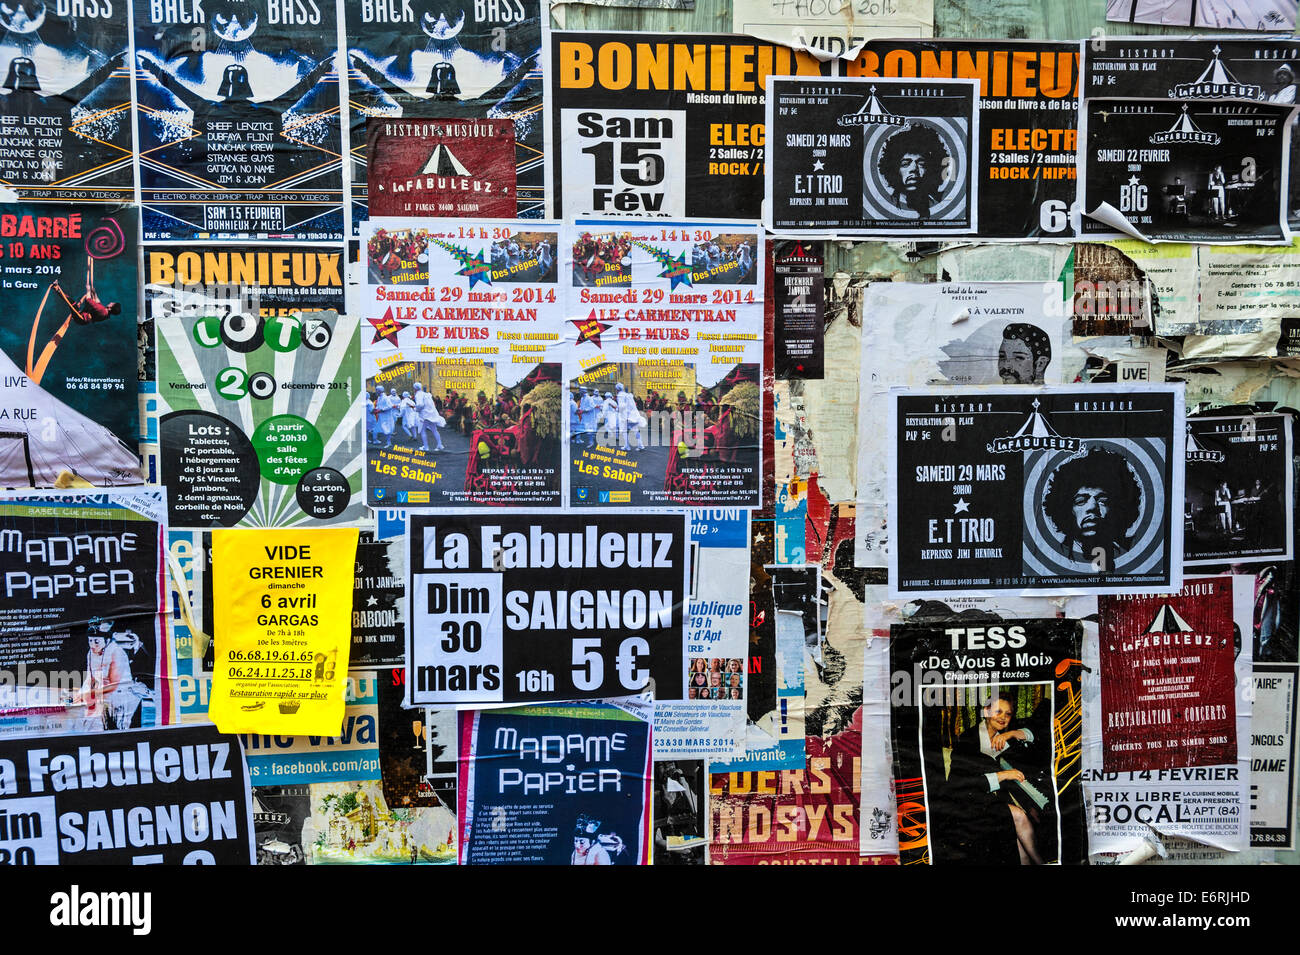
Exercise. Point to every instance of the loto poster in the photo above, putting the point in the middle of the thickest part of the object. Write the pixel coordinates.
(282, 629)
(259, 422)
(556, 785)
(1049, 489)
(533, 608)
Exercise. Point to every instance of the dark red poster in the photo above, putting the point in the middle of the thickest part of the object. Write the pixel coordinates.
(442, 167)
(797, 816)
(1167, 681)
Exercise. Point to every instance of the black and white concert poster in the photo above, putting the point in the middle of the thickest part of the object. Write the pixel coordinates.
(1257, 69)
(1240, 502)
(531, 608)
(1046, 490)
(1185, 170)
(872, 156)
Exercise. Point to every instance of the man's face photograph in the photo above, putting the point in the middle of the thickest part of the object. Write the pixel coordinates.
(912, 170)
(1016, 362)
(1091, 508)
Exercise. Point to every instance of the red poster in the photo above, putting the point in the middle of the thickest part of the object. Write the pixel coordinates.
(1167, 684)
(793, 817)
(441, 167)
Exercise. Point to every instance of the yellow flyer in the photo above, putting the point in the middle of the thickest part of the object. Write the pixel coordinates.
(282, 626)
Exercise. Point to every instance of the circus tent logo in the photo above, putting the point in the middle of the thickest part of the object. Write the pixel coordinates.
(1216, 83)
(1168, 620)
(1036, 434)
(1197, 453)
(443, 162)
(1184, 131)
(872, 113)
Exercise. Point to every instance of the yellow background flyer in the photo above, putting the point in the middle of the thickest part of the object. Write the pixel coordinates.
(282, 615)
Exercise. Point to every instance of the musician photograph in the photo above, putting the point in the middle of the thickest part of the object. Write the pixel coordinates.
(1225, 192)
(1238, 488)
(996, 804)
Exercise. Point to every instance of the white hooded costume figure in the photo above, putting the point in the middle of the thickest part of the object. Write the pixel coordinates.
(386, 406)
(428, 417)
(57, 443)
(410, 417)
(629, 418)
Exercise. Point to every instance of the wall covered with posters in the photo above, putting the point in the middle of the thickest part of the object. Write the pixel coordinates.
(674, 433)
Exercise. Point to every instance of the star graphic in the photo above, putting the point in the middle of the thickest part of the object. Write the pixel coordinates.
(372, 601)
(477, 270)
(677, 270)
(589, 329)
(818, 165)
(386, 328)
(960, 505)
(1133, 180)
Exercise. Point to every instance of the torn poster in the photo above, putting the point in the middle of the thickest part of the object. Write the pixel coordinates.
(417, 748)
(671, 125)
(1239, 485)
(1024, 154)
(1048, 489)
(829, 28)
(462, 372)
(987, 732)
(664, 363)
(238, 131)
(946, 333)
(872, 156)
(1272, 757)
(680, 795)
(710, 722)
(351, 754)
(1185, 170)
(462, 86)
(774, 734)
(1255, 69)
(1207, 804)
(518, 808)
(756, 815)
(351, 823)
(509, 608)
(1212, 14)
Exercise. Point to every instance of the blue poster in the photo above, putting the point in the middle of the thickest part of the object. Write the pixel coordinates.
(238, 122)
(564, 784)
